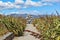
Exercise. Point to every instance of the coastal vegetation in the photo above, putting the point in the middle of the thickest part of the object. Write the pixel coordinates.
(12, 24)
(48, 26)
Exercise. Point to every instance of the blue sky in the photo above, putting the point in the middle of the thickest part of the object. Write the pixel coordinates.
(29, 6)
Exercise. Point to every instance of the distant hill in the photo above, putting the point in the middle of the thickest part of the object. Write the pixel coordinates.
(23, 15)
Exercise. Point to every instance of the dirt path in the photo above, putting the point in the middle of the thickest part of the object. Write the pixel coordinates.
(28, 34)
(31, 28)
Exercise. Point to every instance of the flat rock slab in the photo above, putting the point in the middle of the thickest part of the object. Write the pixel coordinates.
(27, 35)
(31, 28)
(6, 36)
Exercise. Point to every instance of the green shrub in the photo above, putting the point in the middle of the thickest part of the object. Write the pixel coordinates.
(49, 27)
(15, 25)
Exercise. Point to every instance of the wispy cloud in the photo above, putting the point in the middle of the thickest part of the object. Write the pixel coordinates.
(28, 3)
(36, 4)
(19, 2)
(32, 3)
(25, 12)
(51, 0)
(8, 5)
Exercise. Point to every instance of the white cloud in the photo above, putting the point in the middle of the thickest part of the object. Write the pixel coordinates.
(36, 4)
(7, 5)
(49, 4)
(32, 3)
(51, 0)
(28, 3)
(19, 1)
(35, 12)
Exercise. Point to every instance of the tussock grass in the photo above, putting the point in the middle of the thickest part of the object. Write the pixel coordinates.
(48, 26)
(12, 24)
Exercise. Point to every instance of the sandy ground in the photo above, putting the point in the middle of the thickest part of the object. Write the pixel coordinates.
(27, 35)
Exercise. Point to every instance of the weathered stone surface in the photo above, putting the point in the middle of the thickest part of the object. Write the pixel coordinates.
(8, 36)
(27, 33)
